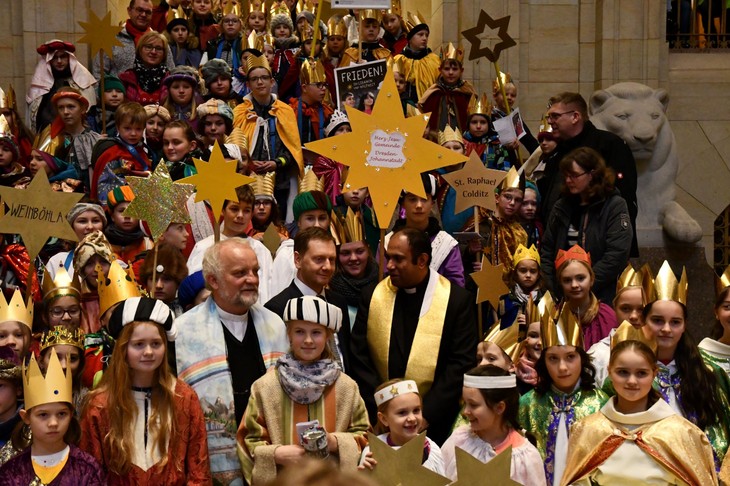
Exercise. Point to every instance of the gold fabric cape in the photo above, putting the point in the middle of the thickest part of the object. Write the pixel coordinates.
(424, 354)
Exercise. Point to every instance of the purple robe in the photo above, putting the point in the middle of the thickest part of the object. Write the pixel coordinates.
(600, 327)
(80, 468)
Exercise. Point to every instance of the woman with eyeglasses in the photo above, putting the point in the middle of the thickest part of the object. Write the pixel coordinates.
(590, 213)
(143, 82)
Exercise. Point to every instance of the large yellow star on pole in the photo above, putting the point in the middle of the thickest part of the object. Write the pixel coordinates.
(100, 33)
(475, 184)
(489, 282)
(216, 180)
(470, 470)
(158, 200)
(386, 151)
(402, 467)
(37, 213)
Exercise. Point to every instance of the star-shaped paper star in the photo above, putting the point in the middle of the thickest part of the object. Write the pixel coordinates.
(475, 184)
(489, 282)
(402, 467)
(217, 180)
(37, 213)
(158, 200)
(386, 151)
(100, 33)
(472, 35)
(470, 470)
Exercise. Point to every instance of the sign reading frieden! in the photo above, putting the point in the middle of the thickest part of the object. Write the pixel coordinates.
(386, 149)
(358, 85)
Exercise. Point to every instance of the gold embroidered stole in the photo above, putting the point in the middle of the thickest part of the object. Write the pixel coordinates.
(423, 357)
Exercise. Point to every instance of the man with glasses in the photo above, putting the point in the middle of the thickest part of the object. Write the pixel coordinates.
(568, 118)
(138, 23)
(270, 126)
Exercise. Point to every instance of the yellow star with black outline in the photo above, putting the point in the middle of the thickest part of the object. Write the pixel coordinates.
(216, 180)
(400, 156)
(474, 184)
(37, 213)
(402, 467)
(489, 282)
(472, 35)
(470, 470)
(100, 33)
(158, 200)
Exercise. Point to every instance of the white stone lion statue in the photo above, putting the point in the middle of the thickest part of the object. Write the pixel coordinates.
(637, 113)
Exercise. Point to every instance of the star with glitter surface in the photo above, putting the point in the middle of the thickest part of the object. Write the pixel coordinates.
(26, 208)
(158, 200)
(489, 282)
(385, 183)
(100, 33)
(216, 180)
(470, 470)
(402, 467)
(474, 178)
(472, 35)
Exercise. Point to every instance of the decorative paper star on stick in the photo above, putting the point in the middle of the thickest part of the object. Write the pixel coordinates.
(386, 152)
(471, 470)
(158, 200)
(402, 467)
(472, 35)
(489, 282)
(475, 184)
(216, 180)
(37, 213)
(100, 33)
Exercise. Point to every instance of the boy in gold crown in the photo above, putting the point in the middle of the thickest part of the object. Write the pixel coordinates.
(51, 455)
(312, 112)
(16, 322)
(479, 136)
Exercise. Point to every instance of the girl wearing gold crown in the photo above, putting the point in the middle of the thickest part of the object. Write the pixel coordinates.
(44, 449)
(16, 322)
(68, 344)
(565, 391)
(637, 438)
(141, 423)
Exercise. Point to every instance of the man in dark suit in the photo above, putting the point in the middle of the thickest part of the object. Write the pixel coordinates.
(415, 325)
(314, 256)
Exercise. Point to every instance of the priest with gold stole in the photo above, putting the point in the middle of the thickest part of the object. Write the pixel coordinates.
(415, 325)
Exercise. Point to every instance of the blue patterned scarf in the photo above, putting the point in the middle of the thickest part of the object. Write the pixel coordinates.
(304, 383)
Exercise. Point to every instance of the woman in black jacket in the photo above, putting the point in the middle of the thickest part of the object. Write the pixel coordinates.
(592, 214)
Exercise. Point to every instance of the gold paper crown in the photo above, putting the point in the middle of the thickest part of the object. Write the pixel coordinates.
(310, 182)
(666, 286)
(414, 19)
(237, 137)
(395, 8)
(278, 8)
(506, 78)
(452, 52)
(232, 7)
(5, 128)
(642, 279)
(545, 127)
(507, 339)
(312, 72)
(306, 6)
(336, 26)
(176, 13)
(450, 135)
(573, 253)
(268, 40)
(62, 284)
(480, 105)
(7, 98)
(55, 387)
(514, 180)
(253, 41)
(370, 13)
(537, 311)
(58, 335)
(524, 253)
(565, 331)
(723, 281)
(263, 185)
(256, 6)
(397, 64)
(627, 332)
(119, 285)
(45, 143)
(348, 229)
(17, 310)
(253, 62)
(307, 34)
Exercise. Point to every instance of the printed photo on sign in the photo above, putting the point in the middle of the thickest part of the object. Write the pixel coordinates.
(358, 85)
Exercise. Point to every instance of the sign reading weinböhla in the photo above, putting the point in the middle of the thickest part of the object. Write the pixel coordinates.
(358, 85)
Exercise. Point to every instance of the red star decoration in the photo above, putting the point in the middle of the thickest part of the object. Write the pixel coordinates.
(472, 35)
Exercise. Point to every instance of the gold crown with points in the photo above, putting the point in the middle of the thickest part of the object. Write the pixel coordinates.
(450, 51)
(370, 13)
(312, 72)
(306, 6)
(627, 332)
(56, 386)
(397, 64)
(237, 137)
(253, 41)
(545, 127)
(723, 281)
(263, 185)
(59, 335)
(310, 182)
(268, 40)
(507, 339)
(253, 62)
(62, 284)
(537, 311)
(666, 286)
(256, 6)
(336, 26)
(563, 331)
(505, 78)
(278, 8)
(232, 7)
(347, 229)
(8, 99)
(480, 105)
(117, 286)
(17, 310)
(414, 19)
(524, 253)
(5, 128)
(395, 8)
(514, 180)
(176, 13)
(307, 33)
(449, 134)
(630, 278)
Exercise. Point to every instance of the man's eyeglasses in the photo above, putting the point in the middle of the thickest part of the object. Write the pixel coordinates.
(572, 177)
(153, 48)
(555, 115)
(256, 79)
(143, 11)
